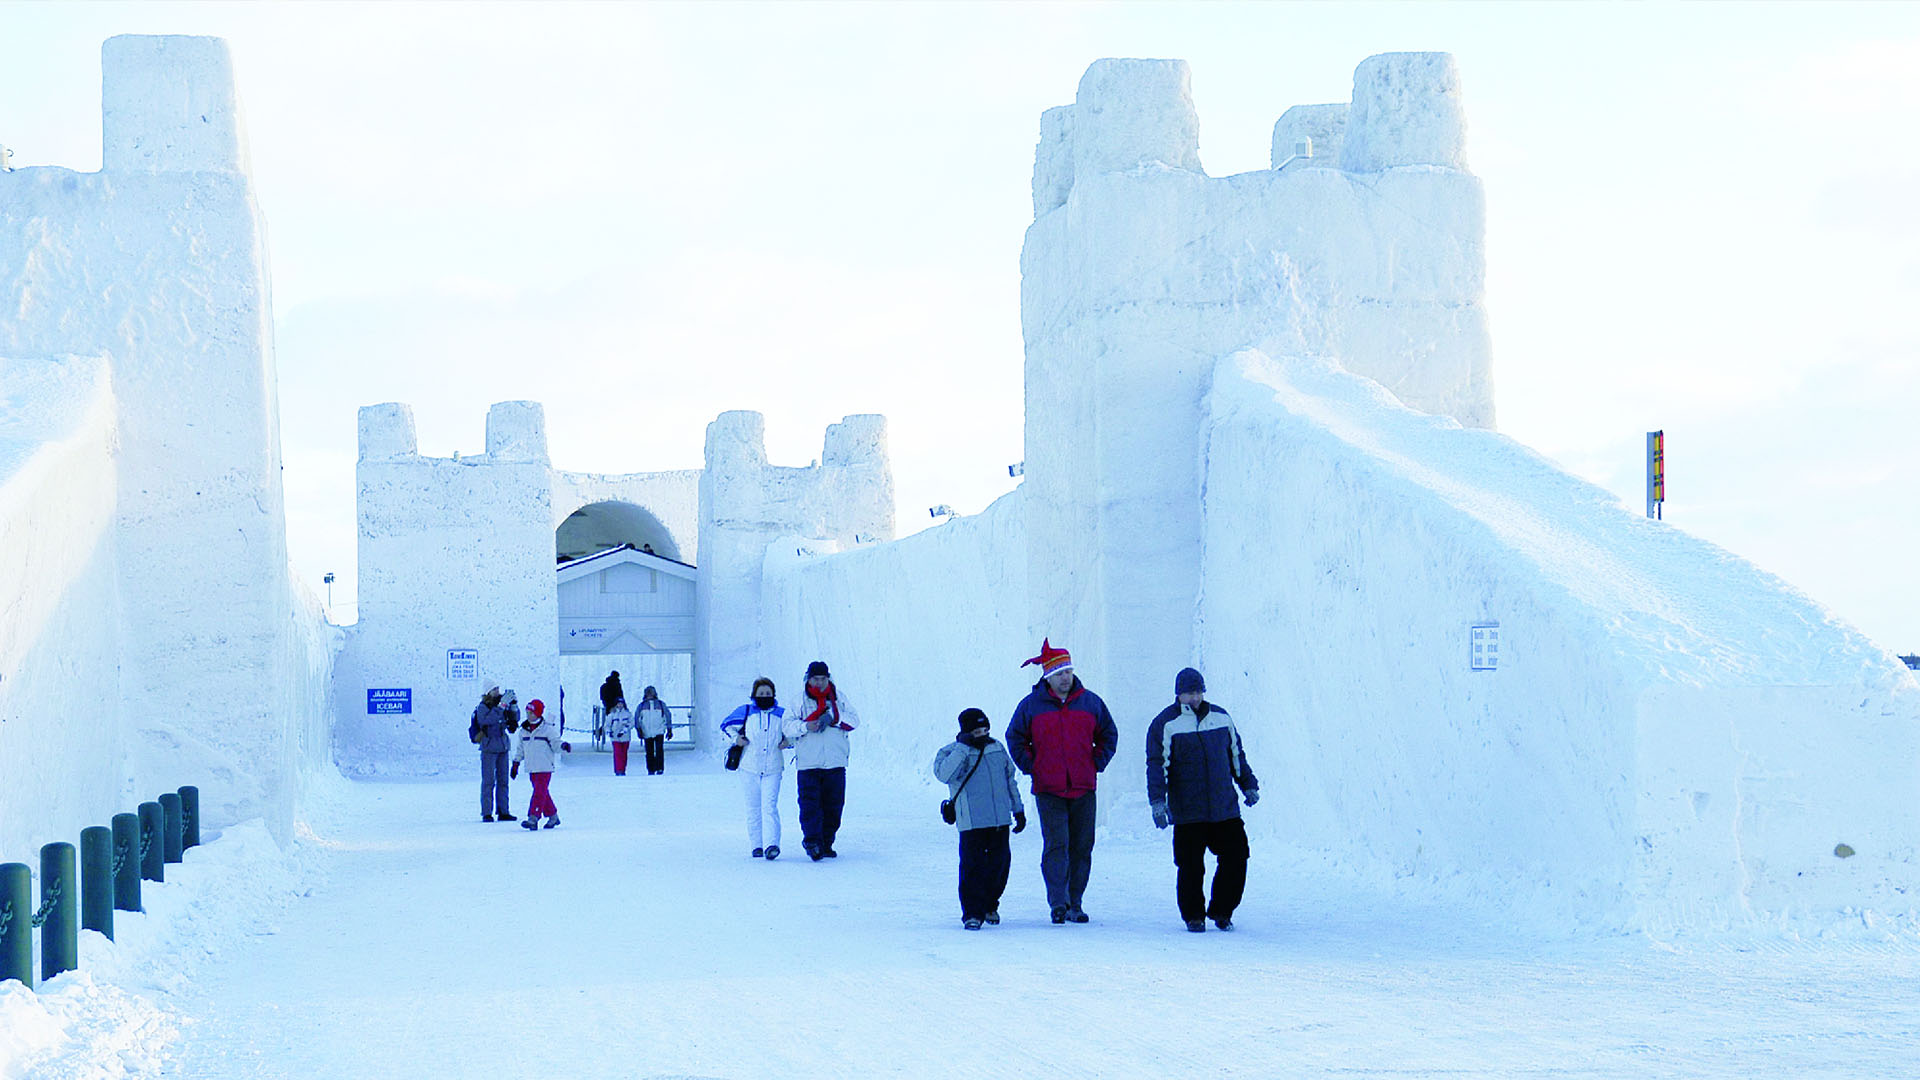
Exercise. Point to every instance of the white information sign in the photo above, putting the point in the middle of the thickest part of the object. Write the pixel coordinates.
(463, 663)
(1484, 639)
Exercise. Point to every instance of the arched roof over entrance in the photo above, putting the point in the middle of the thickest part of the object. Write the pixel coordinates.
(601, 526)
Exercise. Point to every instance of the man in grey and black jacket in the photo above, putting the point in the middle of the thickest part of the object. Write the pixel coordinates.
(1194, 762)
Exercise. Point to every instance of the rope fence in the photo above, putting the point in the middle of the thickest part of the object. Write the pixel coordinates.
(112, 862)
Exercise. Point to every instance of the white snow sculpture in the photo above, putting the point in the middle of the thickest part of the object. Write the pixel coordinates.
(457, 554)
(158, 264)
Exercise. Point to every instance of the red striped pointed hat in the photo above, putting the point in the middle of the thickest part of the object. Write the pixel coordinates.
(1052, 661)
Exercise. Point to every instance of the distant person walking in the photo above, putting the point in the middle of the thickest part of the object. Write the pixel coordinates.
(620, 733)
(539, 748)
(819, 731)
(1194, 760)
(656, 726)
(490, 730)
(756, 728)
(1063, 736)
(985, 797)
(611, 692)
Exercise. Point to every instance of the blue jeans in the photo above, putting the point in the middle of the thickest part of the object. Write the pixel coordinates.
(493, 782)
(1066, 846)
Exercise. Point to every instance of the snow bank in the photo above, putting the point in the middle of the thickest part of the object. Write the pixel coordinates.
(1671, 739)
(914, 631)
(61, 733)
(111, 1017)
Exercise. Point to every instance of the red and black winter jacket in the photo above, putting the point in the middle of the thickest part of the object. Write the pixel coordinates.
(1063, 745)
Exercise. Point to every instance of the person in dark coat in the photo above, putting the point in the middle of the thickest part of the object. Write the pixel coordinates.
(493, 720)
(611, 692)
(1063, 736)
(1194, 762)
(979, 775)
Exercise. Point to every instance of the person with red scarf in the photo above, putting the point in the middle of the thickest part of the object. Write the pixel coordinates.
(818, 729)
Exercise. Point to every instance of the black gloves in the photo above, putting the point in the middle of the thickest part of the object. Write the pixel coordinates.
(1019, 820)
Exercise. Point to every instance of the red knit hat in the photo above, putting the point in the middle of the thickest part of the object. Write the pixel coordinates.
(537, 707)
(1052, 661)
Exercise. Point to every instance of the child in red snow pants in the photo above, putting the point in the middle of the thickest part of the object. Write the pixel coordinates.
(620, 759)
(541, 805)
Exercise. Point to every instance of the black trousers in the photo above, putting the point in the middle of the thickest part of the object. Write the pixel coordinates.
(822, 794)
(1228, 842)
(656, 755)
(985, 859)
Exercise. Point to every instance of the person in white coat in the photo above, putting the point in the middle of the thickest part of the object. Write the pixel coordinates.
(539, 748)
(819, 729)
(757, 729)
(620, 733)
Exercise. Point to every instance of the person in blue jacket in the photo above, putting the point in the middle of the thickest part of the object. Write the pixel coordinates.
(986, 797)
(1194, 762)
(494, 719)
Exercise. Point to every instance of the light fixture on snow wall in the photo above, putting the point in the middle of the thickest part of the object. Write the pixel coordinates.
(941, 511)
(1018, 468)
(328, 580)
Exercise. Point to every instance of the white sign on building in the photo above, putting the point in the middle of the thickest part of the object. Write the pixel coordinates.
(463, 663)
(1485, 641)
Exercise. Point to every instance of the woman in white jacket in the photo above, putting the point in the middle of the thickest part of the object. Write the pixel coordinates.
(756, 729)
(620, 733)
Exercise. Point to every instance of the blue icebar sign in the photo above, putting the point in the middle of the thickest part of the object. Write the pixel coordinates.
(389, 701)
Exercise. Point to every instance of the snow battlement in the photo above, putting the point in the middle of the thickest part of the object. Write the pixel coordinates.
(169, 105)
(387, 432)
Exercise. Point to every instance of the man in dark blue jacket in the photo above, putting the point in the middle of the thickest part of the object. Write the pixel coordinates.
(1194, 761)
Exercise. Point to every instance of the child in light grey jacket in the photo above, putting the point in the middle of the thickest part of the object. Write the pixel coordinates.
(980, 775)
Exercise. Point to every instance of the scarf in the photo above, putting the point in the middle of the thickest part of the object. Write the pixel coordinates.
(827, 707)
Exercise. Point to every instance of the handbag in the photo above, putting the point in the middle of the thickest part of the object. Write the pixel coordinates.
(947, 812)
(733, 756)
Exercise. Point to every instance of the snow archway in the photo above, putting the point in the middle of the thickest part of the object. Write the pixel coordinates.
(602, 526)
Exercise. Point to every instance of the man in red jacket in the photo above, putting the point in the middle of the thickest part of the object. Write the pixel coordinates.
(1063, 736)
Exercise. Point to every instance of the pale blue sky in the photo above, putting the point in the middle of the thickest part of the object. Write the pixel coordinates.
(1702, 217)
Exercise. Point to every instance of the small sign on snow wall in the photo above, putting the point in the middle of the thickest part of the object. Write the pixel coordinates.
(463, 663)
(1484, 638)
(389, 701)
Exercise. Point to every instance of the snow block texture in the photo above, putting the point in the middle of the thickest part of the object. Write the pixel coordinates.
(1672, 739)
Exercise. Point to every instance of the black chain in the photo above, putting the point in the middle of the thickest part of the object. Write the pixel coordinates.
(46, 909)
(6, 916)
(119, 858)
(146, 843)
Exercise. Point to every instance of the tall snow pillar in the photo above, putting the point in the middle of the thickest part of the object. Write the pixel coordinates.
(169, 106)
(734, 531)
(855, 464)
(1115, 376)
(1406, 111)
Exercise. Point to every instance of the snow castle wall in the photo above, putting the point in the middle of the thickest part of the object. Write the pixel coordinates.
(1139, 270)
(1671, 737)
(914, 631)
(747, 505)
(158, 264)
(458, 554)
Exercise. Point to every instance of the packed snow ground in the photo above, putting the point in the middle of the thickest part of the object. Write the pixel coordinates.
(405, 938)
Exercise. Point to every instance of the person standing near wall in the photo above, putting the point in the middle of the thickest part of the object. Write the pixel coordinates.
(756, 728)
(540, 748)
(489, 730)
(1194, 759)
(820, 729)
(656, 726)
(1063, 736)
(985, 797)
(620, 733)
